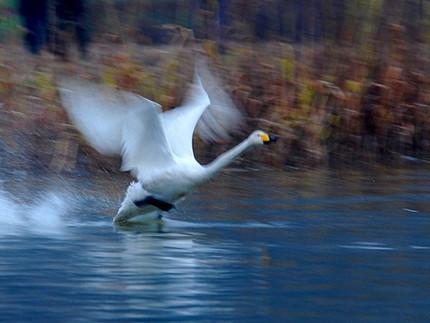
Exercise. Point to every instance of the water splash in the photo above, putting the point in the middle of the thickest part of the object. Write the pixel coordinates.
(45, 216)
(10, 218)
(48, 214)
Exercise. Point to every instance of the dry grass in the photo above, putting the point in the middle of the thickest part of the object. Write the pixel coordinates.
(328, 104)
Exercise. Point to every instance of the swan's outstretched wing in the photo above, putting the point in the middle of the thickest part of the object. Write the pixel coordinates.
(145, 149)
(179, 123)
(97, 112)
(208, 109)
(119, 123)
(222, 117)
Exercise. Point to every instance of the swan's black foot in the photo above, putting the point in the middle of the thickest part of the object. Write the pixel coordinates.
(150, 200)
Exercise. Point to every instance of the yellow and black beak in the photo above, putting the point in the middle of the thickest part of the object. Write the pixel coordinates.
(269, 139)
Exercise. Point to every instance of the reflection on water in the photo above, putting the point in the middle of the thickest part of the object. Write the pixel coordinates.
(312, 246)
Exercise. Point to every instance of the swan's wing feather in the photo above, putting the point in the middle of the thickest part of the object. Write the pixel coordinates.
(179, 123)
(207, 108)
(222, 117)
(145, 149)
(119, 123)
(96, 112)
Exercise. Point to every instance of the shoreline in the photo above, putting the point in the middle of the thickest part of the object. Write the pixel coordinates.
(337, 122)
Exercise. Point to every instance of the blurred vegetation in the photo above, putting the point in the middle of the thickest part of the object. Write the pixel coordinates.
(343, 82)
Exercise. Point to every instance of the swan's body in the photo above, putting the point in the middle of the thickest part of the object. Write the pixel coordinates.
(155, 146)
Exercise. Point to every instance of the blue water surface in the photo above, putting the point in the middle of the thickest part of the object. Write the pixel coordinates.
(314, 246)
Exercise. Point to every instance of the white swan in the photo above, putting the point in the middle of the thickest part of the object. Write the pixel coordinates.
(156, 146)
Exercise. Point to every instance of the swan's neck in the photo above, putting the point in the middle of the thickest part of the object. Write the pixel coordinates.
(226, 158)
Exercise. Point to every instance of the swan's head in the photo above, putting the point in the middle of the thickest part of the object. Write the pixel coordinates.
(259, 137)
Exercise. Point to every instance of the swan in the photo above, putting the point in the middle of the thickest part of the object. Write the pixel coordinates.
(155, 146)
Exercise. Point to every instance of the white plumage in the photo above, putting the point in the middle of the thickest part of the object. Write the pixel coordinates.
(156, 146)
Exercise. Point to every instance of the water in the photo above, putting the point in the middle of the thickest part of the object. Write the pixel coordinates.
(318, 246)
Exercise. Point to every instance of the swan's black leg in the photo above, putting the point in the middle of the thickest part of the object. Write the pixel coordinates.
(150, 200)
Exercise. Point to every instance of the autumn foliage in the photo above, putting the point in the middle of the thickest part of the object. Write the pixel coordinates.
(359, 97)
